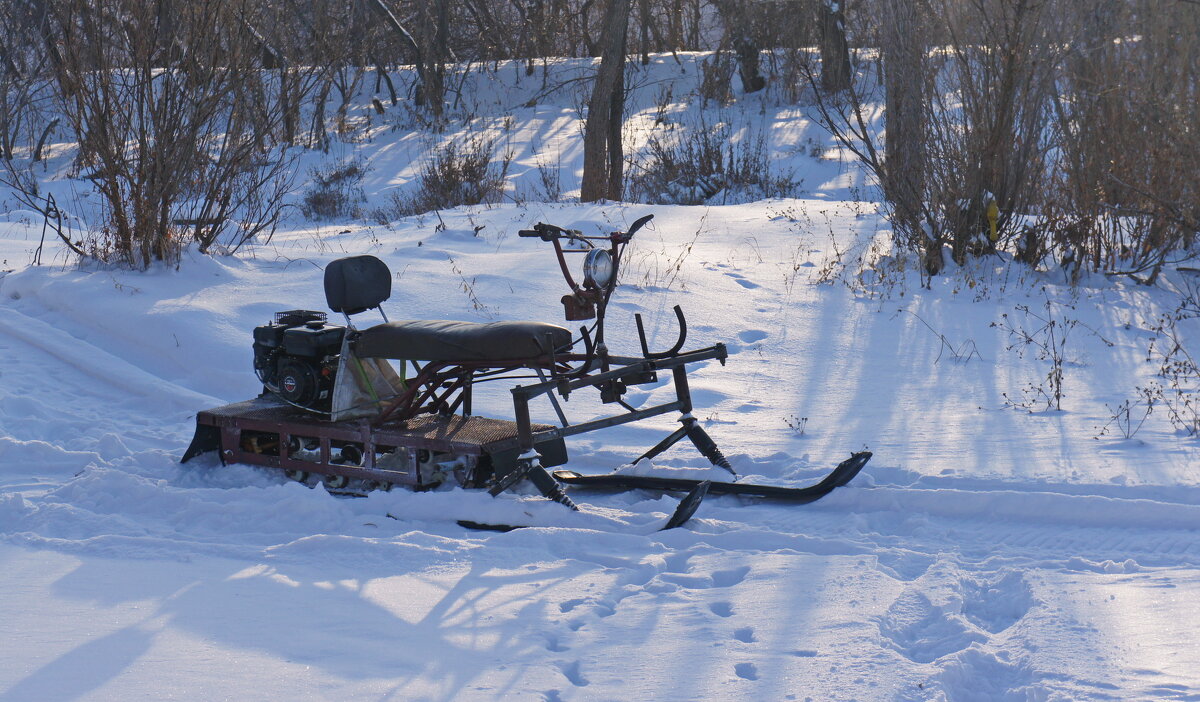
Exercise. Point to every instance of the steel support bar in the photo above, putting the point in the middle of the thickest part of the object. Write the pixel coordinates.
(618, 419)
(629, 366)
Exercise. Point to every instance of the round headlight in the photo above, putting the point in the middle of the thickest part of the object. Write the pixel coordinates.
(597, 268)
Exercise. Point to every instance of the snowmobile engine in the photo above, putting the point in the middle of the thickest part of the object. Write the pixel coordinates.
(296, 357)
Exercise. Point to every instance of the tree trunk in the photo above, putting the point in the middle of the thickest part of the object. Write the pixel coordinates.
(747, 54)
(603, 159)
(435, 70)
(904, 148)
(740, 27)
(835, 54)
(644, 27)
(411, 44)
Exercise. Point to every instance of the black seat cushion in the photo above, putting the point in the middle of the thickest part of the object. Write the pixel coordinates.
(441, 340)
(357, 283)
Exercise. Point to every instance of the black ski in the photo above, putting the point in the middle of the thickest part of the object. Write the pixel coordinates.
(697, 490)
(839, 476)
(683, 512)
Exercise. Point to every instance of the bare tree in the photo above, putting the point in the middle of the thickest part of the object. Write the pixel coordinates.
(835, 51)
(603, 157)
(989, 135)
(25, 120)
(1124, 197)
(743, 32)
(967, 90)
(904, 171)
(155, 94)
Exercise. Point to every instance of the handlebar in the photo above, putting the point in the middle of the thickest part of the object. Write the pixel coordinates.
(638, 224)
(547, 232)
(550, 232)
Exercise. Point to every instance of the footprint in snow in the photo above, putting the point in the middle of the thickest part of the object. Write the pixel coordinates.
(978, 673)
(677, 563)
(572, 673)
(995, 605)
(746, 671)
(721, 609)
(740, 280)
(922, 632)
(720, 578)
(745, 634)
(904, 566)
(729, 578)
(752, 335)
(569, 605)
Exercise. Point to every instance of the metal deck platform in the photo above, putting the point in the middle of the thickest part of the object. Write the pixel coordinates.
(265, 431)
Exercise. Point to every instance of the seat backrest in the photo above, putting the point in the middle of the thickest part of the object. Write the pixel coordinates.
(357, 283)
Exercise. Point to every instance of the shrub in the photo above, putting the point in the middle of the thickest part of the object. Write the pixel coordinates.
(336, 191)
(457, 173)
(1075, 120)
(691, 166)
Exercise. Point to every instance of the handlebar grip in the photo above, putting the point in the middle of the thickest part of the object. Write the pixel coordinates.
(543, 231)
(638, 224)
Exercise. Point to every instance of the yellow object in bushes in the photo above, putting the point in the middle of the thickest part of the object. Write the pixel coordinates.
(993, 213)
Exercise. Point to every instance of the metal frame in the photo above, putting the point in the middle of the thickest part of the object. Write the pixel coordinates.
(231, 429)
(441, 388)
(637, 368)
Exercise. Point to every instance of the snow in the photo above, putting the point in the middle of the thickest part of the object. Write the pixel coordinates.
(987, 552)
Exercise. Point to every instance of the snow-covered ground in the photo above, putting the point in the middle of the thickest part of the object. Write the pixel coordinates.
(985, 553)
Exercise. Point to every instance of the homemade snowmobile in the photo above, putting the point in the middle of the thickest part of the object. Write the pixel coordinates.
(334, 406)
